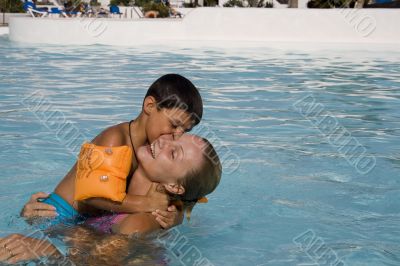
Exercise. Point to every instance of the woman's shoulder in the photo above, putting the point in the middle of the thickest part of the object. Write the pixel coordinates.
(142, 223)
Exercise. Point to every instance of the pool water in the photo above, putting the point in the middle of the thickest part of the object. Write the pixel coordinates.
(288, 196)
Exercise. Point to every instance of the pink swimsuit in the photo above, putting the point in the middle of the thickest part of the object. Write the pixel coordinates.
(104, 223)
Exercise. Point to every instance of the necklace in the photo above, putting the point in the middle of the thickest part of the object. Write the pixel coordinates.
(130, 138)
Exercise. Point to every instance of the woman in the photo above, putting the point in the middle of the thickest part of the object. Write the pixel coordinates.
(186, 169)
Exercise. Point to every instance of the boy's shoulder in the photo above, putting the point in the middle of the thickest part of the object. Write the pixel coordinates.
(113, 136)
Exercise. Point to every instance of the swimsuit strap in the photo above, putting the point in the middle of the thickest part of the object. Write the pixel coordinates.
(130, 138)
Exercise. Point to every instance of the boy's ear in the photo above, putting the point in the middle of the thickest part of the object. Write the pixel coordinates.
(149, 104)
(175, 188)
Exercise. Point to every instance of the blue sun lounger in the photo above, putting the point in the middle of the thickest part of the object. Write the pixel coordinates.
(31, 8)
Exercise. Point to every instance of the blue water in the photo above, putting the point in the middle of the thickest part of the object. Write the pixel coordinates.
(290, 179)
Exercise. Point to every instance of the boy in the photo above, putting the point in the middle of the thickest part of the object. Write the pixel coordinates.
(172, 105)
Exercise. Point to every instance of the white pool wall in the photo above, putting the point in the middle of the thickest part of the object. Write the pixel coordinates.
(227, 25)
(7, 16)
(4, 30)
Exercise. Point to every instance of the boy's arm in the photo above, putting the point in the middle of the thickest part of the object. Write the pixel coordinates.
(131, 203)
(153, 201)
(114, 136)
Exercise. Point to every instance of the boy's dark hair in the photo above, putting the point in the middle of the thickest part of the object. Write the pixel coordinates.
(176, 91)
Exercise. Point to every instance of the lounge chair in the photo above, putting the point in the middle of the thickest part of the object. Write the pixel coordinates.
(102, 13)
(30, 8)
(114, 10)
(138, 11)
(57, 11)
(73, 13)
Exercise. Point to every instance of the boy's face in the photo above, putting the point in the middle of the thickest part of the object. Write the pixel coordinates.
(163, 121)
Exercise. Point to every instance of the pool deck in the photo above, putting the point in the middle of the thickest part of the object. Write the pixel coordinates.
(223, 26)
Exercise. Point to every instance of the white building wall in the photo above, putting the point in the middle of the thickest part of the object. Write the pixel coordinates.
(216, 25)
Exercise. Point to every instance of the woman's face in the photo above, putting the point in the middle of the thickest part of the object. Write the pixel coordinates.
(167, 159)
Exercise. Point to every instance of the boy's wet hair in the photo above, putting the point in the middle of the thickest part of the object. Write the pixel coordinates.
(176, 91)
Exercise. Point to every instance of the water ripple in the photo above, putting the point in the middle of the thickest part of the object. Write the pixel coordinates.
(290, 178)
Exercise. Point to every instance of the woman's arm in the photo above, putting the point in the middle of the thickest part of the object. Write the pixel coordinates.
(16, 248)
(33, 208)
(81, 245)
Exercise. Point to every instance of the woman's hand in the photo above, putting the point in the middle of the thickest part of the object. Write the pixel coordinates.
(169, 218)
(33, 208)
(16, 248)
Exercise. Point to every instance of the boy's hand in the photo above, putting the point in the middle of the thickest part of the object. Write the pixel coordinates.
(169, 218)
(157, 200)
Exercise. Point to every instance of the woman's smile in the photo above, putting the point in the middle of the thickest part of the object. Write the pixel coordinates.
(152, 148)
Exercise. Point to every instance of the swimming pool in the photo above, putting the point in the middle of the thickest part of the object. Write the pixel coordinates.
(294, 198)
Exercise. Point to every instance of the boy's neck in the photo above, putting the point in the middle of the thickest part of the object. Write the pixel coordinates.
(138, 131)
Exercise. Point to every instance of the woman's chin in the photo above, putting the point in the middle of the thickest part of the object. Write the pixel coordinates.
(143, 155)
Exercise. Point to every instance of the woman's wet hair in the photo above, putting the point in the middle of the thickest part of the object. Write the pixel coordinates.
(200, 181)
(176, 91)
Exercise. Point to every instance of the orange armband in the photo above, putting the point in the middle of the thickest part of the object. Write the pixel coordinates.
(102, 172)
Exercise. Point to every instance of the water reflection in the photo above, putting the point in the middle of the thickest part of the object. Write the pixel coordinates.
(89, 247)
